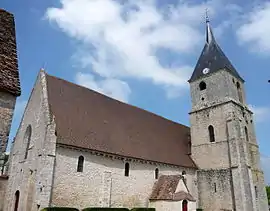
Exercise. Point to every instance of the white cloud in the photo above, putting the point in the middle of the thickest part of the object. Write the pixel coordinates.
(260, 113)
(265, 162)
(255, 29)
(120, 41)
(111, 87)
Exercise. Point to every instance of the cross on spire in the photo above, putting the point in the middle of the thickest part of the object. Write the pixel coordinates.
(206, 16)
(209, 33)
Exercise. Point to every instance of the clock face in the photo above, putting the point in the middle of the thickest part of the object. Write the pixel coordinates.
(206, 70)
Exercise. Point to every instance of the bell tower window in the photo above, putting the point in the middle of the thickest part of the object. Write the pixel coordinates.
(202, 86)
(246, 134)
(211, 133)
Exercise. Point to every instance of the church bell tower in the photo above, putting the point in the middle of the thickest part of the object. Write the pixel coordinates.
(224, 145)
(9, 76)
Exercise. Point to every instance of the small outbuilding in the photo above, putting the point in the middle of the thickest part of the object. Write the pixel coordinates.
(170, 193)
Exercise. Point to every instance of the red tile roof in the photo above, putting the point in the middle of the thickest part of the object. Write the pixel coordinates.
(88, 119)
(165, 187)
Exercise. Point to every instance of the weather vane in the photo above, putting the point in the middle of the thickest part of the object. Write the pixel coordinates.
(206, 15)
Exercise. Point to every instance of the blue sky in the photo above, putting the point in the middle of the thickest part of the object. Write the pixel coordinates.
(143, 52)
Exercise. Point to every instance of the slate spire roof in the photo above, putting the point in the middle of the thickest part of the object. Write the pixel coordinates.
(212, 58)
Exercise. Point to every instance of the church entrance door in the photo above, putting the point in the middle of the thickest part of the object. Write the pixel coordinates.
(185, 205)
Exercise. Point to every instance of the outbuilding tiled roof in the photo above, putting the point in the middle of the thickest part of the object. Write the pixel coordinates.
(165, 187)
(9, 75)
(87, 119)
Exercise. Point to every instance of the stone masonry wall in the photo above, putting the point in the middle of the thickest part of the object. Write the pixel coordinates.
(3, 184)
(33, 176)
(235, 148)
(205, 153)
(91, 188)
(7, 105)
(214, 189)
(216, 91)
(9, 75)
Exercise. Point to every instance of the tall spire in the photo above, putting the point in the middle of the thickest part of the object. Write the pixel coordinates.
(209, 33)
(212, 58)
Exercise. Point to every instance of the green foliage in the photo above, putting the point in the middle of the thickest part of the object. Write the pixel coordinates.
(104, 209)
(199, 209)
(268, 193)
(59, 209)
(143, 209)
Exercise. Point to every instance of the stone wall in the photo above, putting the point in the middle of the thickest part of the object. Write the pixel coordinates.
(215, 189)
(7, 105)
(171, 205)
(220, 87)
(9, 75)
(103, 182)
(32, 176)
(235, 150)
(3, 185)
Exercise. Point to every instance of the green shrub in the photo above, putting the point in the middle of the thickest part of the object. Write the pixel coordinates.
(59, 209)
(143, 209)
(199, 209)
(104, 209)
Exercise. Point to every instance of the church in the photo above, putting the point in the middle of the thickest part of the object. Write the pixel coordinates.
(78, 148)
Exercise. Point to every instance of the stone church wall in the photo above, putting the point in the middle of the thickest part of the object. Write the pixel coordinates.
(3, 185)
(7, 105)
(171, 205)
(9, 82)
(215, 190)
(103, 183)
(32, 176)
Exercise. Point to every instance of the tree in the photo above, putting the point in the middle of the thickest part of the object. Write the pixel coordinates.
(268, 193)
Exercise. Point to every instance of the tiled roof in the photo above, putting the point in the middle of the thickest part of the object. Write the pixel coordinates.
(165, 187)
(9, 75)
(87, 119)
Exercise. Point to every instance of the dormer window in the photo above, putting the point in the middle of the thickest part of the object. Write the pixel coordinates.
(202, 86)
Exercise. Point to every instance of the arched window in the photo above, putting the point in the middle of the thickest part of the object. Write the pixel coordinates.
(239, 92)
(27, 139)
(215, 187)
(202, 85)
(80, 164)
(211, 133)
(256, 191)
(126, 169)
(17, 198)
(246, 134)
(184, 205)
(156, 173)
